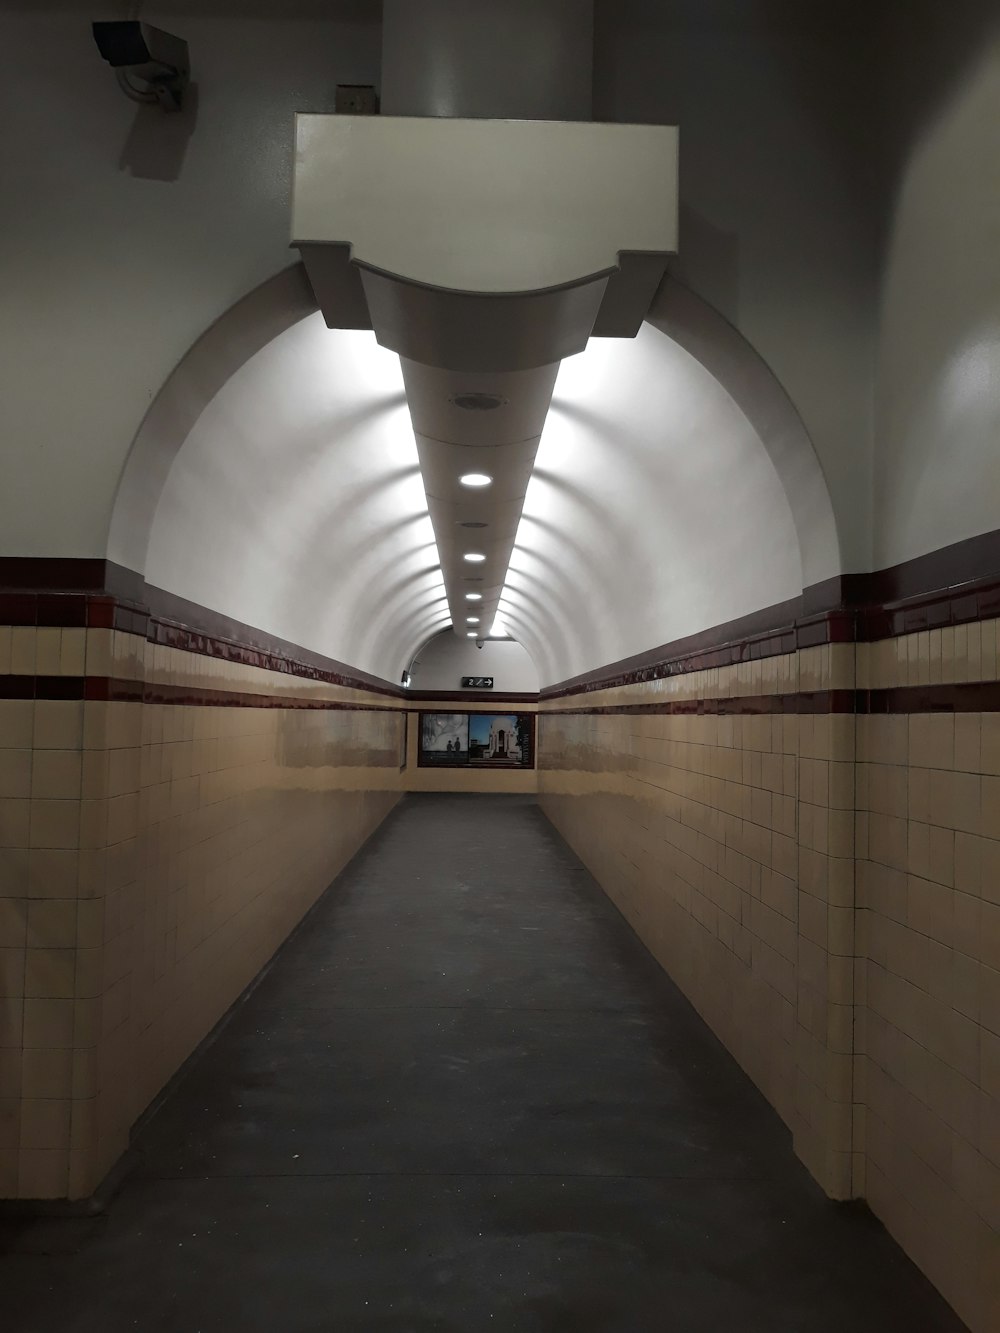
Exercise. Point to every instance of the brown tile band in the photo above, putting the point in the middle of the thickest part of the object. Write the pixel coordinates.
(747, 705)
(108, 689)
(472, 697)
(965, 697)
(955, 585)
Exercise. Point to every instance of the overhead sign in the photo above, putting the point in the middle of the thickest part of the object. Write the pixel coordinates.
(477, 682)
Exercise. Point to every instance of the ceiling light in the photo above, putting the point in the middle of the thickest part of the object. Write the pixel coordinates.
(472, 634)
(473, 596)
(474, 557)
(476, 479)
(472, 620)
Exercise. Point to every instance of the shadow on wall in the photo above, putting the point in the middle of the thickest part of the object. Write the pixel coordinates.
(714, 254)
(157, 140)
(921, 88)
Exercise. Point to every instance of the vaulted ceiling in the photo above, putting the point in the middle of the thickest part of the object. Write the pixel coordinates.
(296, 502)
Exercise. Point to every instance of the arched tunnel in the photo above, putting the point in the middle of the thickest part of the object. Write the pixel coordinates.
(499, 744)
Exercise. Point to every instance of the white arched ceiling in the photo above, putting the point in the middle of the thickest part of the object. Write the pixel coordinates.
(275, 479)
(295, 503)
(654, 511)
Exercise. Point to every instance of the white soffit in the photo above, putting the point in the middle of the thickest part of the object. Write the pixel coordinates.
(489, 206)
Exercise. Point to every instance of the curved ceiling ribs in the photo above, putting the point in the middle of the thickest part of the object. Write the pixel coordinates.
(674, 487)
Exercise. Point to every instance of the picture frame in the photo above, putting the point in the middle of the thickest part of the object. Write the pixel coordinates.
(498, 740)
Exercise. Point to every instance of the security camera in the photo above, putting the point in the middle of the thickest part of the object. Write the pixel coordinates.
(151, 65)
(479, 643)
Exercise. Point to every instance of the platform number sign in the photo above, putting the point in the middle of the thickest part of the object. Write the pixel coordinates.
(477, 682)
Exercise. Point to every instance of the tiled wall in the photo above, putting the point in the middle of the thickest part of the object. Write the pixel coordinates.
(928, 1031)
(152, 857)
(725, 842)
(825, 888)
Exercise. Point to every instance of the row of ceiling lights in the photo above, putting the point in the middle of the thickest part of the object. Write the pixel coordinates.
(474, 480)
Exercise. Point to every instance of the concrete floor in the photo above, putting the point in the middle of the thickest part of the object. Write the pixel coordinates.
(465, 1098)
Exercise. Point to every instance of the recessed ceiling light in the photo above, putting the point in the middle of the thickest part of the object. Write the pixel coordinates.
(472, 620)
(476, 479)
(472, 523)
(473, 596)
(472, 634)
(474, 557)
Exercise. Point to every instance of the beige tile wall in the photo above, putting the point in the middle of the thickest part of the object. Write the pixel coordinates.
(727, 841)
(152, 858)
(928, 1039)
(826, 891)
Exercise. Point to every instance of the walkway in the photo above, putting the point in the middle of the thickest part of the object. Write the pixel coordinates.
(465, 1098)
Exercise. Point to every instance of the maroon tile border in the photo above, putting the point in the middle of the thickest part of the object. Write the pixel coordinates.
(109, 689)
(472, 697)
(977, 696)
(964, 697)
(748, 705)
(97, 594)
(955, 585)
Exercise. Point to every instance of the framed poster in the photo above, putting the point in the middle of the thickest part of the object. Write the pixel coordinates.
(477, 740)
(444, 738)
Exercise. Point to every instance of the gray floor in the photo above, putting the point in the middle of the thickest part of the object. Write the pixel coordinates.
(464, 1098)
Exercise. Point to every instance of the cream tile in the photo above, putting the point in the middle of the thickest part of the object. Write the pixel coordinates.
(45, 1122)
(22, 651)
(14, 822)
(48, 1024)
(47, 645)
(58, 724)
(73, 652)
(42, 1174)
(12, 963)
(49, 973)
(52, 923)
(55, 824)
(17, 719)
(46, 1073)
(56, 774)
(51, 873)
(13, 923)
(15, 773)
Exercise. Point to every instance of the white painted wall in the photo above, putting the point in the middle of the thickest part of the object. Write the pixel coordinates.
(444, 660)
(125, 232)
(778, 198)
(937, 469)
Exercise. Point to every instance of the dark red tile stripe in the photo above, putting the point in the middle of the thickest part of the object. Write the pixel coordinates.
(965, 697)
(103, 689)
(952, 586)
(471, 697)
(748, 705)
